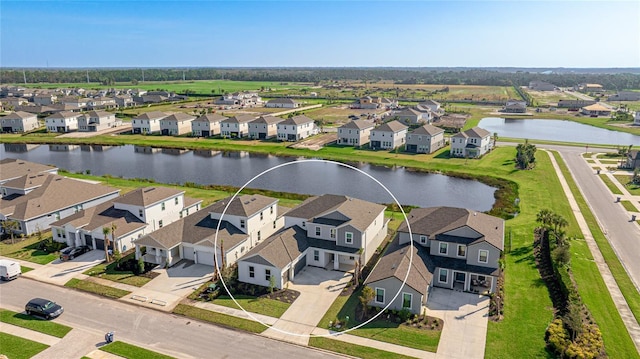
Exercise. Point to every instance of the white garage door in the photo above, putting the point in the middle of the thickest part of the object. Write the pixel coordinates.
(205, 257)
(187, 252)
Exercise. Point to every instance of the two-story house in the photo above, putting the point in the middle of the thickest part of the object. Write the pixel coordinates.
(355, 133)
(296, 128)
(236, 126)
(176, 124)
(94, 121)
(63, 121)
(147, 123)
(328, 231)
(388, 136)
(19, 122)
(453, 248)
(282, 103)
(515, 106)
(412, 116)
(44, 98)
(472, 143)
(264, 127)
(425, 139)
(207, 125)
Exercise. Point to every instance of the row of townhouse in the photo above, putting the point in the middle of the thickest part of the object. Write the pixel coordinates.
(92, 121)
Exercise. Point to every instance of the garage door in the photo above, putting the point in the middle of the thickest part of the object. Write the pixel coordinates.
(300, 265)
(205, 258)
(188, 253)
(99, 243)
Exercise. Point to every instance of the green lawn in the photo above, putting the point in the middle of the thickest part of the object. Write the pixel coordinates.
(96, 288)
(105, 271)
(219, 318)
(25, 269)
(33, 323)
(19, 348)
(270, 307)
(132, 352)
(625, 180)
(612, 186)
(354, 350)
(629, 206)
(27, 250)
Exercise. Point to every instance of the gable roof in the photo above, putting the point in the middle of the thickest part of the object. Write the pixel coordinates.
(281, 248)
(19, 115)
(104, 215)
(63, 115)
(408, 112)
(296, 120)
(427, 130)
(239, 119)
(147, 196)
(358, 124)
(476, 132)
(395, 264)
(244, 205)
(98, 113)
(268, 119)
(282, 100)
(393, 126)
(211, 118)
(430, 103)
(179, 116)
(153, 115)
(13, 168)
(596, 107)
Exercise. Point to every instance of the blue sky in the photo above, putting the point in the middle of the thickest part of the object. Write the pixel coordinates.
(319, 33)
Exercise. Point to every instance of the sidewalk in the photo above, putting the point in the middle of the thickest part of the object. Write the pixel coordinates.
(29, 334)
(621, 304)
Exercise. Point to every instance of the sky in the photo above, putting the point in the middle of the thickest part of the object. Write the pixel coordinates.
(348, 33)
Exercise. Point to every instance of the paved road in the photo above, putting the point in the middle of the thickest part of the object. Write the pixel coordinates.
(180, 337)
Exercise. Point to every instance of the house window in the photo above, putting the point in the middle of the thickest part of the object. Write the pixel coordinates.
(162, 206)
(267, 275)
(443, 275)
(271, 209)
(483, 256)
(303, 224)
(316, 255)
(317, 231)
(140, 213)
(462, 250)
(176, 201)
(258, 235)
(261, 216)
(333, 233)
(160, 224)
(252, 272)
(348, 237)
(406, 300)
(423, 239)
(57, 216)
(242, 223)
(274, 224)
(380, 295)
(444, 248)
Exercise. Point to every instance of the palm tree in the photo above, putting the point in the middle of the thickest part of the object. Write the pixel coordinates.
(113, 233)
(105, 232)
(544, 218)
(10, 226)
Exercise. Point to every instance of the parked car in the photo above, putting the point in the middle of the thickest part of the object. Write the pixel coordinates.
(9, 269)
(72, 252)
(44, 308)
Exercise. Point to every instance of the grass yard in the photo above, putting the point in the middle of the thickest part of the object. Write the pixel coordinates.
(219, 318)
(96, 288)
(550, 98)
(132, 352)
(625, 180)
(27, 250)
(25, 269)
(105, 271)
(354, 350)
(629, 206)
(270, 307)
(33, 323)
(612, 186)
(19, 348)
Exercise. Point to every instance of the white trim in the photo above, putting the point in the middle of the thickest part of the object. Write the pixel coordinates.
(446, 252)
(440, 275)
(410, 300)
(480, 251)
(465, 251)
(375, 299)
(346, 237)
(423, 239)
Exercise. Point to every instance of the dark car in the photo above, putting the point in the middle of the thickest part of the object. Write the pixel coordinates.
(44, 308)
(72, 252)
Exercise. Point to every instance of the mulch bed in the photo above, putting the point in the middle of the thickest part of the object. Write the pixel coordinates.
(422, 322)
(284, 295)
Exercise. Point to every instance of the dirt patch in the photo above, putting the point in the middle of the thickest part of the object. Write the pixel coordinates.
(316, 142)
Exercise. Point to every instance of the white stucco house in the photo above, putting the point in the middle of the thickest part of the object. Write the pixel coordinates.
(207, 125)
(176, 124)
(236, 126)
(63, 121)
(425, 139)
(282, 103)
(388, 136)
(296, 128)
(355, 133)
(94, 121)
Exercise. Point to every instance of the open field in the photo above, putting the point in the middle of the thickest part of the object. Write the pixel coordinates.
(549, 98)
(339, 114)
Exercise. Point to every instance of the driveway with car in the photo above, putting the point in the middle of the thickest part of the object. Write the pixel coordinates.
(59, 272)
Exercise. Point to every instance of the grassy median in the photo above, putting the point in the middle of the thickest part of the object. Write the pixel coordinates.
(96, 288)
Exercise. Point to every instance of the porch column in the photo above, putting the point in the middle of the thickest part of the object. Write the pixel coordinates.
(336, 261)
(138, 253)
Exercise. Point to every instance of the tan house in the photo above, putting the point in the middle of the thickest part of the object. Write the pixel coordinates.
(94, 121)
(425, 139)
(207, 125)
(236, 126)
(355, 133)
(19, 122)
(176, 124)
(596, 110)
(147, 123)
(282, 103)
(473, 143)
(296, 128)
(264, 127)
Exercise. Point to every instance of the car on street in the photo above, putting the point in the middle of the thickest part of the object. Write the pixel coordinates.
(44, 308)
(72, 252)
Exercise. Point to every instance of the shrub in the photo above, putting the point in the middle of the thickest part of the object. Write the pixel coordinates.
(557, 336)
(404, 314)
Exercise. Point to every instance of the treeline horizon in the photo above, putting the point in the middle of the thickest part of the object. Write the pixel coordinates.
(611, 78)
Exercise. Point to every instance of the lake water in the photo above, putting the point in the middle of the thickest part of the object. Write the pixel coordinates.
(236, 168)
(557, 130)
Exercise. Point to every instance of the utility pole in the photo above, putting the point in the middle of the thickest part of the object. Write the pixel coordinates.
(182, 75)
(142, 75)
(24, 75)
(87, 76)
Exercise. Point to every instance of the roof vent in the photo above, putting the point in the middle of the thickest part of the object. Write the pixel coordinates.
(253, 199)
(247, 202)
(149, 190)
(393, 266)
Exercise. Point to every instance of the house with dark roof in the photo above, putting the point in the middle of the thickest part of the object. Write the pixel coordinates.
(264, 127)
(425, 139)
(176, 124)
(207, 125)
(296, 128)
(472, 143)
(355, 133)
(541, 86)
(147, 123)
(433, 106)
(19, 122)
(282, 103)
(236, 126)
(329, 231)
(388, 136)
(453, 248)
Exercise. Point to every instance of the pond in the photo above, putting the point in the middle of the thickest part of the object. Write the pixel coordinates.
(557, 130)
(236, 168)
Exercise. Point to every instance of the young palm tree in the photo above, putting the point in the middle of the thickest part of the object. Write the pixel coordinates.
(106, 231)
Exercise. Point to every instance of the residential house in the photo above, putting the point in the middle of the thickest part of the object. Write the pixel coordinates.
(633, 160)
(355, 133)
(176, 124)
(590, 88)
(207, 125)
(411, 116)
(453, 248)
(37, 200)
(388, 136)
(44, 99)
(432, 105)
(264, 127)
(515, 106)
(574, 105)
(19, 122)
(148, 122)
(239, 99)
(64, 121)
(247, 220)
(296, 128)
(11, 168)
(425, 139)
(236, 126)
(541, 86)
(374, 102)
(282, 103)
(75, 103)
(596, 110)
(128, 217)
(125, 100)
(94, 121)
(625, 96)
(14, 102)
(101, 103)
(472, 143)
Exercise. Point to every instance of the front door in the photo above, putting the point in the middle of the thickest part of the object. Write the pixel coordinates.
(460, 277)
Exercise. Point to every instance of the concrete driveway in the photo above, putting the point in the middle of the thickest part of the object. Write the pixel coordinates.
(59, 272)
(318, 289)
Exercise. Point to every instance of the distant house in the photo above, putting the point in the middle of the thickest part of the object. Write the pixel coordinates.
(574, 104)
(590, 88)
(633, 160)
(515, 106)
(207, 125)
(472, 143)
(101, 103)
(596, 110)
(541, 86)
(432, 105)
(296, 128)
(14, 101)
(75, 103)
(355, 133)
(625, 96)
(282, 103)
(239, 98)
(453, 248)
(236, 126)
(374, 102)
(19, 122)
(636, 119)
(44, 99)
(264, 127)
(94, 121)
(411, 116)
(124, 100)
(388, 136)
(425, 139)
(37, 109)
(64, 121)
(176, 124)
(147, 123)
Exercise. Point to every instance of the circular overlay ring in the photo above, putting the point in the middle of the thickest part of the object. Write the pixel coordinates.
(216, 259)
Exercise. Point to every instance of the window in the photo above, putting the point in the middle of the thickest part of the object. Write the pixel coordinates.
(267, 275)
(242, 223)
(140, 213)
(380, 295)
(348, 237)
(483, 256)
(316, 255)
(271, 209)
(333, 233)
(176, 201)
(57, 216)
(317, 231)
(252, 272)
(261, 216)
(160, 223)
(462, 250)
(162, 206)
(406, 300)
(274, 224)
(258, 235)
(443, 275)
(423, 239)
(444, 248)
